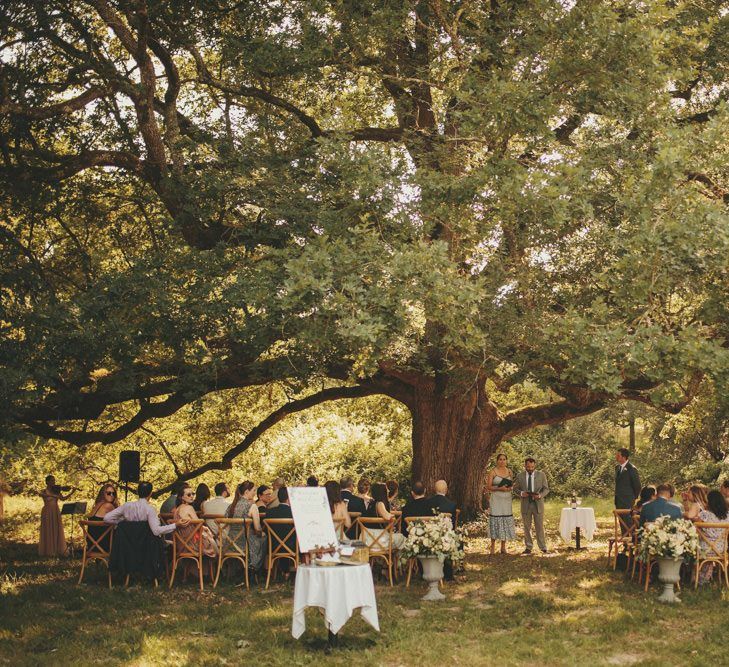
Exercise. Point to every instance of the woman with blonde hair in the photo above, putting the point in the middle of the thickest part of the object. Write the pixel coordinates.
(106, 500)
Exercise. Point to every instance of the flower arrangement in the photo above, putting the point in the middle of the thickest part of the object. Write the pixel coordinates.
(669, 538)
(434, 538)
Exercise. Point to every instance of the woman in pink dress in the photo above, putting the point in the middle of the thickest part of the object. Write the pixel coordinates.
(52, 541)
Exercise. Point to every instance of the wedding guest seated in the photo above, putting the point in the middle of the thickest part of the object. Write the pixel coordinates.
(202, 495)
(217, 506)
(647, 493)
(382, 511)
(136, 549)
(243, 507)
(185, 511)
(141, 510)
(312, 481)
(106, 501)
(275, 486)
(440, 501)
(169, 504)
(265, 496)
(337, 506)
(724, 490)
(418, 505)
(715, 512)
(660, 506)
(363, 492)
(694, 501)
(354, 503)
(393, 489)
(283, 511)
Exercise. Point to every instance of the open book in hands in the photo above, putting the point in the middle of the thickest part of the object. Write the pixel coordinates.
(505, 482)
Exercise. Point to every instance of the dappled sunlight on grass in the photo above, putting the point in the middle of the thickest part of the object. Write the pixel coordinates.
(563, 609)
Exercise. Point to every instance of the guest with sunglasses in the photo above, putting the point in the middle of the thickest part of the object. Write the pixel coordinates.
(106, 501)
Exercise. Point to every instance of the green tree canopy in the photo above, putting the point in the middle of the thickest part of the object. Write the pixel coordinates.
(436, 201)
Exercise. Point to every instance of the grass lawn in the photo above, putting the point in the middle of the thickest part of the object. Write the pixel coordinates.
(565, 608)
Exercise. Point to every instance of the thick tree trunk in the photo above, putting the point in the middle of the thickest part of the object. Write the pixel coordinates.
(454, 434)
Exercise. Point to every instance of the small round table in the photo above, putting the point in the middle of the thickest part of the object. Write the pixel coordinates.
(338, 591)
(577, 519)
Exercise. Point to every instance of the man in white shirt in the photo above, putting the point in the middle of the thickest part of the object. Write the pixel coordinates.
(217, 506)
(141, 510)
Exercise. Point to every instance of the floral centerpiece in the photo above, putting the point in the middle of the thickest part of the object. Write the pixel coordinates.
(435, 538)
(432, 541)
(670, 542)
(669, 538)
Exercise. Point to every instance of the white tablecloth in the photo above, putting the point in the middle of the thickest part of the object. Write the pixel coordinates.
(339, 591)
(582, 518)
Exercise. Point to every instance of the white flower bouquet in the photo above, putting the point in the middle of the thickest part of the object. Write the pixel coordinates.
(433, 538)
(669, 538)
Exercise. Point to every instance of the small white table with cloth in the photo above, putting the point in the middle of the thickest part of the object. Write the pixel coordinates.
(579, 519)
(339, 591)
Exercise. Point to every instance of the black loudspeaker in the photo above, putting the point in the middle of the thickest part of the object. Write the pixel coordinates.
(129, 466)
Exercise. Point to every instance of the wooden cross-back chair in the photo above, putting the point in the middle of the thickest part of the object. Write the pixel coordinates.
(413, 562)
(340, 529)
(377, 534)
(278, 550)
(715, 550)
(93, 550)
(623, 535)
(166, 517)
(187, 545)
(228, 548)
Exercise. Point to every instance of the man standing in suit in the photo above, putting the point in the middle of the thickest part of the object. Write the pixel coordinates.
(627, 482)
(531, 486)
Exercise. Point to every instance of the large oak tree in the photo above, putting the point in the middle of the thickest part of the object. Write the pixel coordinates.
(432, 200)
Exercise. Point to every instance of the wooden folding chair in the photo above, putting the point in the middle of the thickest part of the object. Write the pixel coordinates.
(413, 562)
(377, 534)
(624, 534)
(228, 548)
(715, 550)
(187, 545)
(277, 547)
(92, 545)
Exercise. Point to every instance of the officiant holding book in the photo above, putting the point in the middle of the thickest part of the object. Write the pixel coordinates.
(501, 518)
(531, 486)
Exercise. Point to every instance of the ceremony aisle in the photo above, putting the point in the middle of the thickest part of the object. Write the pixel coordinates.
(564, 608)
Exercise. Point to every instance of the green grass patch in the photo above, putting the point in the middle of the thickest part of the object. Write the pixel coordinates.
(566, 608)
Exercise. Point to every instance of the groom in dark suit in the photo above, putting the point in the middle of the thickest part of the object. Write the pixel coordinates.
(627, 482)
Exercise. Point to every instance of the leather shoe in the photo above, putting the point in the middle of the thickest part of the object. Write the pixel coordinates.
(526, 551)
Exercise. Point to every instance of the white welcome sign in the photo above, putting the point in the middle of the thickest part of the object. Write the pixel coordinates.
(312, 517)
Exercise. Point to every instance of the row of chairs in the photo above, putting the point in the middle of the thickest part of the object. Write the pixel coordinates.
(187, 545)
(626, 538)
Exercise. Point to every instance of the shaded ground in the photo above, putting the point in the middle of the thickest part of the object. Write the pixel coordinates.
(560, 609)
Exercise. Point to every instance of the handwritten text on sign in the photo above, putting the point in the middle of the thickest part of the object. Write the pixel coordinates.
(312, 517)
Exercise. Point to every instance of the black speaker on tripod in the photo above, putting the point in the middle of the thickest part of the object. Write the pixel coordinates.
(128, 466)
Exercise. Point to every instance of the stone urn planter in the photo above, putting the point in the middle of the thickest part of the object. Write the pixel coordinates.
(432, 573)
(669, 574)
